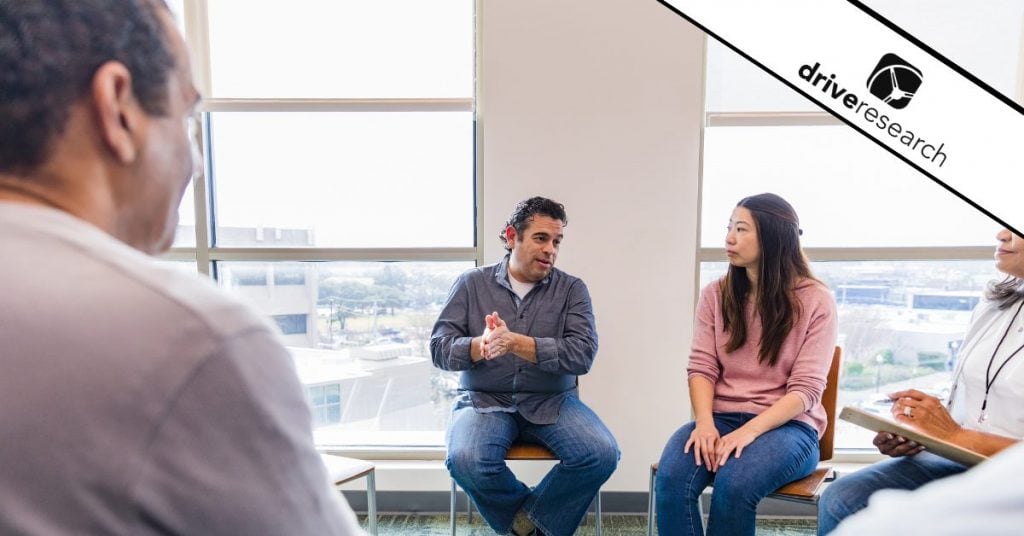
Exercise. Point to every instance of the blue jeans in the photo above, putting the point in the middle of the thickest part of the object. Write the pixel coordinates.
(777, 457)
(848, 494)
(588, 454)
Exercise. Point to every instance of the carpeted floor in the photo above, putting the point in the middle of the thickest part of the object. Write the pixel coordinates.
(613, 525)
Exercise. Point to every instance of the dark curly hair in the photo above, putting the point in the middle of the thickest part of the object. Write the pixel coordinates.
(49, 52)
(525, 210)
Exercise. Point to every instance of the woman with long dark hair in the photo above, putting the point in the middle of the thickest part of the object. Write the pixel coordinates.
(763, 341)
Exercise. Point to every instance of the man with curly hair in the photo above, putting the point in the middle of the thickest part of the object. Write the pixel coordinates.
(521, 331)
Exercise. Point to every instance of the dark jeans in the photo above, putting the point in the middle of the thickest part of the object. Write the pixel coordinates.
(849, 494)
(777, 457)
(588, 454)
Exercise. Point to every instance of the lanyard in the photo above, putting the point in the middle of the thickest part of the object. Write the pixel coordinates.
(990, 379)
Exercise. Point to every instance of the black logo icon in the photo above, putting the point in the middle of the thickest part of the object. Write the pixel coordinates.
(894, 81)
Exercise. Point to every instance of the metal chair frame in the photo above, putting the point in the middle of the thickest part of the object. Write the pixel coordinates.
(371, 487)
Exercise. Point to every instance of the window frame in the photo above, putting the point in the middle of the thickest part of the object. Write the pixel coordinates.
(206, 255)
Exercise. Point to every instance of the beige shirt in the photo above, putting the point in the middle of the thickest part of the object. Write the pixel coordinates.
(135, 399)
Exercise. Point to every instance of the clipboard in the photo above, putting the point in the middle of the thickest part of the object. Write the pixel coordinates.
(931, 444)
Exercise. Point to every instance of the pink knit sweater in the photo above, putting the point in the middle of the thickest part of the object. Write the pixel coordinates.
(741, 383)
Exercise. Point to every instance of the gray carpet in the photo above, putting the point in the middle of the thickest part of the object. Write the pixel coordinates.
(613, 525)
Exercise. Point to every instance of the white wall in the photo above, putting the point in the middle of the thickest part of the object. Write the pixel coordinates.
(597, 104)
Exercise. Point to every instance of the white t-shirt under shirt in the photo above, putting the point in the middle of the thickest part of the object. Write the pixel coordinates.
(521, 289)
(1005, 408)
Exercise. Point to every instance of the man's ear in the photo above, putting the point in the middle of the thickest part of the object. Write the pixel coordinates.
(118, 114)
(510, 236)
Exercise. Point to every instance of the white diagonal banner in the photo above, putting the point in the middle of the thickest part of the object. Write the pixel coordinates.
(886, 84)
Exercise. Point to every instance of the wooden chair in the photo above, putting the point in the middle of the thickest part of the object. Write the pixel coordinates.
(805, 490)
(342, 470)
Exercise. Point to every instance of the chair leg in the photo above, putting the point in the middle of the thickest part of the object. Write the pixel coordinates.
(597, 514)
(469, 509)
(371, 501)
(700, 510)
(452, 508)
(650, 504)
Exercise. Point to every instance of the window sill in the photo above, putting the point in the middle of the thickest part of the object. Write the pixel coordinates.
(370, 453)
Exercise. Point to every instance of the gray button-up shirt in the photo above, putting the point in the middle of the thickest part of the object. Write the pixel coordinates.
(557, 313)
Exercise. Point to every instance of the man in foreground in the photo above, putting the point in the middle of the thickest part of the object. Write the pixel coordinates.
(134, 399)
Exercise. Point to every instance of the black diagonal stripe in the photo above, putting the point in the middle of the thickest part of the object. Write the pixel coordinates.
(892, 151)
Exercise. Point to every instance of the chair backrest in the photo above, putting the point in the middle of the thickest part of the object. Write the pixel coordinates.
(828, 399)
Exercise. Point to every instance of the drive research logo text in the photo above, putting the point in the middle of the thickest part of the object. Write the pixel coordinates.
(894, 81)
(896, 85)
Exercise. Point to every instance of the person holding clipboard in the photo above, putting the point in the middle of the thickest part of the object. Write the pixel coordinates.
(986, 405)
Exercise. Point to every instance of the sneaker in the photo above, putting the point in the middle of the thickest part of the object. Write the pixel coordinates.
(522, 526)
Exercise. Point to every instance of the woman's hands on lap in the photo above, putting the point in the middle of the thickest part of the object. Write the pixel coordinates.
(704, 440)
(736, 441)
(712, 449)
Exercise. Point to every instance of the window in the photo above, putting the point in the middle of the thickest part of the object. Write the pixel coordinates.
(338, 194)
(325, 402)
(905, 260)
(284, 275)
(335, 179)
(250, 276)
(291, 324)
